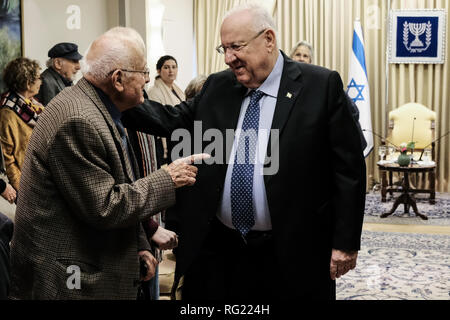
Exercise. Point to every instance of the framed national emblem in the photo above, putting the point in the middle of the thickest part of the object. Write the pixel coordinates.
(417, 36)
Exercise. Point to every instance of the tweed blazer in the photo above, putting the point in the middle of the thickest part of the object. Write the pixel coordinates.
(79, 207)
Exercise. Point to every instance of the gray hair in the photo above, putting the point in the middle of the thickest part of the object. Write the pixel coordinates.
(194, 86)
(261, 17)
(122, 46)
(303, 44)
(49, 63)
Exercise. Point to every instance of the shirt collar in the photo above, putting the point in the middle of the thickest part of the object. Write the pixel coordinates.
(112, 109)
(271, 85)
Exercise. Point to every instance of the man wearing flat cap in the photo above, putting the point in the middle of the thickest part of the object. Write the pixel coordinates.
(62, 67)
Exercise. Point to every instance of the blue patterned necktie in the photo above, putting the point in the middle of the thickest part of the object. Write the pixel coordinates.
(242, 211)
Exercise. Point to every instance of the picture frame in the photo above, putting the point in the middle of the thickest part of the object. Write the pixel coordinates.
(417, 36)
(11, 34)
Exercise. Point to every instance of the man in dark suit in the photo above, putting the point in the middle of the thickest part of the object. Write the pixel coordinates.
(62, 68)
(256, 230)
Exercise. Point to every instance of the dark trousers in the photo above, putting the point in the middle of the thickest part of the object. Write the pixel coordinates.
(232, 269)
(6, 231)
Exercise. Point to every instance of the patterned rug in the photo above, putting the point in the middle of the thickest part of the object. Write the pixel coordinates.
(438, 214)
(399, 266)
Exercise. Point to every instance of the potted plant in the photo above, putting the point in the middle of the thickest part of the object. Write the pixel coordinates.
(404, 159)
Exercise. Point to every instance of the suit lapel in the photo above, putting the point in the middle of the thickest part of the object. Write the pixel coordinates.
(87, 88)
(230, 117)
(290, 89)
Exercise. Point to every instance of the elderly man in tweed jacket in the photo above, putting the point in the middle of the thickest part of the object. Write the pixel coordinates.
(78, 229)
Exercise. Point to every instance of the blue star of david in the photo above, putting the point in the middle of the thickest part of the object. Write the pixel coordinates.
(360, 88)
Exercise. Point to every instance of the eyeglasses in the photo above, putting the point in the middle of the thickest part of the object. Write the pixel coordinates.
(237, 47)
(145, 72)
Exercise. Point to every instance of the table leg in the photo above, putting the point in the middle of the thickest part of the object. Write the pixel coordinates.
(431, 176)
(413, 204)
(383, 186)
(401, 199)
(406, 190)
(391, 185)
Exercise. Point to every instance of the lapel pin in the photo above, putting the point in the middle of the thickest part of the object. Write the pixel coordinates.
(289, 95)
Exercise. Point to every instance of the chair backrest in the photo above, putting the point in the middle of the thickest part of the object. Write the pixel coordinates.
(409, 116)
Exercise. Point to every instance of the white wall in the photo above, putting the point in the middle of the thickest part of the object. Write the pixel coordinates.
(46, 22)
(177, 32)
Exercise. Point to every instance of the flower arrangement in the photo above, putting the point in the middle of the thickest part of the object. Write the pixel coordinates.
(404, 159)
(404, 147)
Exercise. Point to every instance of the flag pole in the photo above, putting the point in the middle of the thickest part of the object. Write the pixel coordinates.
(386, 102)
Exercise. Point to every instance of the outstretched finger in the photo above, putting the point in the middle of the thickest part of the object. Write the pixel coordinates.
(194, 158)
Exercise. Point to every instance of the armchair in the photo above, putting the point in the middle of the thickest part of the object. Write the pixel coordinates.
(412, 122)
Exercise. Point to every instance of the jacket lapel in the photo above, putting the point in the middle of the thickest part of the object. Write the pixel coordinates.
(230, 117)
(87, 88)
(58, 79)
(290, 89)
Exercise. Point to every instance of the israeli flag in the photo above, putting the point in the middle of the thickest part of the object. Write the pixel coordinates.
(358, 86)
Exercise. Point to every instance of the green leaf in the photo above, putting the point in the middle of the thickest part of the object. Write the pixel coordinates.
(411, 145)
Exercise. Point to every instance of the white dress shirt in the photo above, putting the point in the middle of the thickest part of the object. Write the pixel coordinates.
(267, 105)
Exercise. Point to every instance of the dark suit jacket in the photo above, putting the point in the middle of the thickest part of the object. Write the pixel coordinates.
(316, 199)
(355, 114)
(52, 84)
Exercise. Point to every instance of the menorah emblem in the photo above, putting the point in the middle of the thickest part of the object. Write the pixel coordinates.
(417, 29)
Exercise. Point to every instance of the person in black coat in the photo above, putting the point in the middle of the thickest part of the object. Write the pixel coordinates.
(62, 68)
(307, 201)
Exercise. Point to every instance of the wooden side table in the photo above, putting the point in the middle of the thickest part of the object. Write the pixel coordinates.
(405, 197)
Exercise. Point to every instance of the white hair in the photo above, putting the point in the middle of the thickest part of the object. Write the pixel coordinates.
(195, 86)
(122, 48)
(261, 17)
(303, 44)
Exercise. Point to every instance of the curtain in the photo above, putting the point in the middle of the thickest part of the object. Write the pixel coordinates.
(207, 20)
(328, 26)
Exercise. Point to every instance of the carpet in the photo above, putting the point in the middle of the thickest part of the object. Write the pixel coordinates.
(438, 214)
(399, 266)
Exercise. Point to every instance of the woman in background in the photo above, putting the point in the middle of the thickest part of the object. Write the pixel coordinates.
(19, 112)
(165, 91)
(195, 86)
(152, 153)
(302, 52)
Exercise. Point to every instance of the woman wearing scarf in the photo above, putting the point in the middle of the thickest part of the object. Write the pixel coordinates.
(166, 92)
(19, 112)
